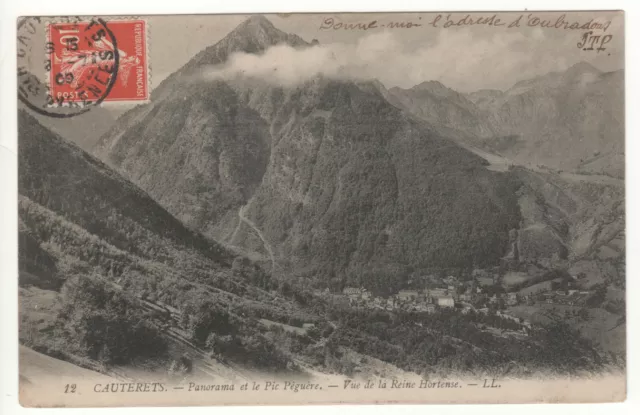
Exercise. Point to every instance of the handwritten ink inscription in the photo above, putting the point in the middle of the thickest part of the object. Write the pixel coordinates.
(591, 41)
(331, 23)
(594, 38)
(467, 20)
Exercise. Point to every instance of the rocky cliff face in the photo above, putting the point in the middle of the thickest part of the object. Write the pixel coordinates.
(576, 216)
(326, 179)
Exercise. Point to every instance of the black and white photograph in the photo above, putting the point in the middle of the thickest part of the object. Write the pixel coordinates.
(321, 208)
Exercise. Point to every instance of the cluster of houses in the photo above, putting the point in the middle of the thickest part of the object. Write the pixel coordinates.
(481, 294)
(448, 292)
(429, 300)
(566, 297)
(425, 300)
(413, 300)
(419, 300)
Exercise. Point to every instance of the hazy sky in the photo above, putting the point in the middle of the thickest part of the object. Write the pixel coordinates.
(466, 58)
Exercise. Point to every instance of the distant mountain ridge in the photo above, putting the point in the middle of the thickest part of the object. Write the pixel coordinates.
(571, 120)
(439, 105)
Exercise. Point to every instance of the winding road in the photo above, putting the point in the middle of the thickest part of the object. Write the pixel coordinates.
(242, 218)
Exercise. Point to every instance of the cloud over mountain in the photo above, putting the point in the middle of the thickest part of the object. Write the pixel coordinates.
(450, 57)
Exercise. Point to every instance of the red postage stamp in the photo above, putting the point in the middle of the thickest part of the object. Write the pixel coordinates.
(97, 61)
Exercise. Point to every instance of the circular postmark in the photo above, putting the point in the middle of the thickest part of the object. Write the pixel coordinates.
(79, 69)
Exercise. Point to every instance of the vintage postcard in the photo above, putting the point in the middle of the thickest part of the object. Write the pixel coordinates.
(321, 208)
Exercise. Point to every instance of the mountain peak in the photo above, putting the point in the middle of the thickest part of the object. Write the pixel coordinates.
(436, 88)
(255, 27)
(257, 21)
(582, 67)
(255, 35)
(259, 32)
(431, 86)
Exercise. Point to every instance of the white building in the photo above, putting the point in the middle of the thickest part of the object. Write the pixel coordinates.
(446, 302)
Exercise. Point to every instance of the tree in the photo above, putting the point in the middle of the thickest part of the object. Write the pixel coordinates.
(259, 351)
(181, 367)
(597, 298)
(207, 318)
(583, 314)
(314, 332)
(108, 325)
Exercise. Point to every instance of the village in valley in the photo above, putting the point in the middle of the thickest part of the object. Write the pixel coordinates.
(483, 294)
